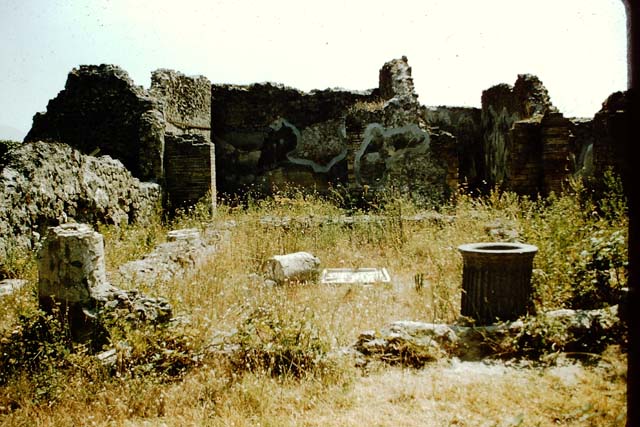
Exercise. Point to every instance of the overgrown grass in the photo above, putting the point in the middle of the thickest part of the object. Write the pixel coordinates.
(254, 354)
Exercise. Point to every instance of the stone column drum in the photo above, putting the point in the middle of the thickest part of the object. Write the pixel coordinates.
(71, 275)
(71, 264)
(496, 280)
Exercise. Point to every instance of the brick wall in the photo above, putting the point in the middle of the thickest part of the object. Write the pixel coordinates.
(189, 169)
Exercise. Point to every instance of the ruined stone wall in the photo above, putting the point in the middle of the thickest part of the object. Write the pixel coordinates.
(610, 127)
(45, 184)
(531, 148)
(405, 156)
(395, 80)
(189, 170)
(391, 146)
(584, 139)
(465, 124)
(101, 111)
(270, 136)
(186, 101)
(503, 106)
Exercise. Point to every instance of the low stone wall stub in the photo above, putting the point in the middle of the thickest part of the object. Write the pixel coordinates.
(46, 184)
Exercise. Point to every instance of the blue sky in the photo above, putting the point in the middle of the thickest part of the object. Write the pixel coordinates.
(457, 48)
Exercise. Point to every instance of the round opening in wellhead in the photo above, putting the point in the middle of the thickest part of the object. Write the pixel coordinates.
(498, 247)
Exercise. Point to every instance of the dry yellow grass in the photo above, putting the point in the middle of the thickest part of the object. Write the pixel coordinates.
(222, 294)
(442, 394)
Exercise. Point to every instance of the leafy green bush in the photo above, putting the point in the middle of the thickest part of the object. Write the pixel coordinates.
(278, 343)
(162, 352)
(36, 348)
(582, 258)
(600, 270)
(580, 334)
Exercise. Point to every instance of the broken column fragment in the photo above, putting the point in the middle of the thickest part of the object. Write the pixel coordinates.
(71, 265)
(298, 266)
(73, 285)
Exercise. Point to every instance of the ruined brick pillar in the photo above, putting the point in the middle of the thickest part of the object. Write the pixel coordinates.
(190, 170)
(525, 157)
(557, 165)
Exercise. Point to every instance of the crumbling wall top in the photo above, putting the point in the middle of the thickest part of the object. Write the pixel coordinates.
(395, 80)
(102, 111)
(186, 100)
(526, 98)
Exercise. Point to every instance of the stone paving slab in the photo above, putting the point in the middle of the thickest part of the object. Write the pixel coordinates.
(9, 286)
(354, 275)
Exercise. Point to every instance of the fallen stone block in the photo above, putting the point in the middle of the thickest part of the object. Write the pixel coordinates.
(294, 267)
(417, 343)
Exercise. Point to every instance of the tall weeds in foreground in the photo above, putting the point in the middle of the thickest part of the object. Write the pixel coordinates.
(276, 363)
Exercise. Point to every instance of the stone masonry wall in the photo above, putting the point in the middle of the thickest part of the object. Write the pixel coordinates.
(101, 111)
(531, 148)
(186, 101)
(465, 124)
(395, 80)
(525, 157)
(502, 107)
(610, 126)
(391, 146)
(190, 170)
(269, 136)
(46, 184)
(557, 152)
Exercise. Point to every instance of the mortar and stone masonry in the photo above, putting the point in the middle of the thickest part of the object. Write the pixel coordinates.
(268, 136)
(184, 139)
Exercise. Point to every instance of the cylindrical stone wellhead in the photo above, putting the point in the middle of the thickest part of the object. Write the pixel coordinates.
(71, 264)
(496, 280)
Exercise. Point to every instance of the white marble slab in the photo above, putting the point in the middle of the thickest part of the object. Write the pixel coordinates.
(354, 275)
